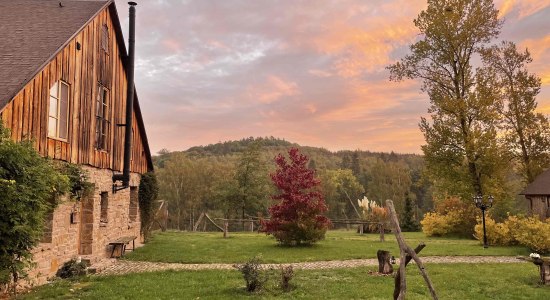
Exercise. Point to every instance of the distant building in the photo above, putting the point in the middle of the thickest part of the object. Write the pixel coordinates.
(63, 84)
(538, 195)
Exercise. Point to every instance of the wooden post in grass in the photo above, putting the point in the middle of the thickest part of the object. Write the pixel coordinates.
(384, 265)
(544, 267)
(406, 250)
(397, 285)
(381, 228)
(225, 228)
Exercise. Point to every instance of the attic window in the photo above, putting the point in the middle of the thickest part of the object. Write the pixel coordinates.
(59, 110)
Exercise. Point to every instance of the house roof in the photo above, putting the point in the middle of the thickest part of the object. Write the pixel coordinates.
(33, 32)
(540, 186)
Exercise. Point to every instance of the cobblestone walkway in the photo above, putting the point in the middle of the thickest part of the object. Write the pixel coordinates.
(120, 267)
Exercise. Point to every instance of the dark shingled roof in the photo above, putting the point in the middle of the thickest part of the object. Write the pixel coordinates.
(540, 186)
(32, 32)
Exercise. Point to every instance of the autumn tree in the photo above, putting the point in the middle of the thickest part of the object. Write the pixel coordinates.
(461, 150)
(298, 216)
(526, 133)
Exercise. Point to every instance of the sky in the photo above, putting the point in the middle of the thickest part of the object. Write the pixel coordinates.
(311, 72)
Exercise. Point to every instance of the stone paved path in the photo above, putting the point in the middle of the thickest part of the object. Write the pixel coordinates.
(120, 267)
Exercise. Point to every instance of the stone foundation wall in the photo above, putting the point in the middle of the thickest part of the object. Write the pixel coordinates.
(85, 234)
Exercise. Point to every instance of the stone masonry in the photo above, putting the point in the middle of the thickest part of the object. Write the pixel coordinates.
(80, 229)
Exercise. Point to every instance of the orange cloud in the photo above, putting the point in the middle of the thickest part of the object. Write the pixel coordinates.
(273, 89)
(522, 8)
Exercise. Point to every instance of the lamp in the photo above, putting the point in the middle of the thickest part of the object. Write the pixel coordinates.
(478, 200)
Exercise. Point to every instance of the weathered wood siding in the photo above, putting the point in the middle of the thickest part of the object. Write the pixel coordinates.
(27, 113)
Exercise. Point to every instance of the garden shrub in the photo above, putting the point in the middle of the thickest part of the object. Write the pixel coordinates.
(72, 269)
(374, 213)
(497, 233)
(287, 273)
(529, 232)
(534, 234)
(147, 194)
(253, 274)
(30, 186)
(452, 217)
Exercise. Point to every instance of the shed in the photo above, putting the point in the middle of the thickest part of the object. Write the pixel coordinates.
(538, 195)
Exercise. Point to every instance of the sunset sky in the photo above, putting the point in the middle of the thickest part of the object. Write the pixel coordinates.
(312, 72)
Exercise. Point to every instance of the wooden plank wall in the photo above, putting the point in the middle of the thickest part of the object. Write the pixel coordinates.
(27, 113)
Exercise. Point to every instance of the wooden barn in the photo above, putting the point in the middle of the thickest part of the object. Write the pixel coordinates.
(538, 195)
(65, 81)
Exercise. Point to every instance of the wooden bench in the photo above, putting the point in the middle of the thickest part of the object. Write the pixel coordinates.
(122, 242)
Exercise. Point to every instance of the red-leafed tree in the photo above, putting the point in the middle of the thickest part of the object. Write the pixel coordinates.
(298, 216)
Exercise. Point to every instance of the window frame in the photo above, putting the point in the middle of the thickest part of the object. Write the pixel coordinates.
(103, 126)
(58, 98)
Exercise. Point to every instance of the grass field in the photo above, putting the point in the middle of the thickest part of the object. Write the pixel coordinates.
(451, 281)
(187, 247)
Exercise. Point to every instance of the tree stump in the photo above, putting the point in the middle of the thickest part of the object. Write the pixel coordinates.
(384, 265)
(544, 268)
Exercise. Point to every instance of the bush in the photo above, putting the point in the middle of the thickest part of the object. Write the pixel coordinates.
(29, 188)
(529, 232)
(253, 274)
(72, 269)
(287, 273)
(147, 194)
(452, 217)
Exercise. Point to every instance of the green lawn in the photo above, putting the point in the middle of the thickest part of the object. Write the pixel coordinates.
(187, 247)
(451, 281)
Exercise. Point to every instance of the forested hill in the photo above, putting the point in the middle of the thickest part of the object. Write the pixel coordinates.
(271, 146)
(232, 179)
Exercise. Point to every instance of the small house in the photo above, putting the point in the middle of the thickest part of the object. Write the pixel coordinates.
(538, 195)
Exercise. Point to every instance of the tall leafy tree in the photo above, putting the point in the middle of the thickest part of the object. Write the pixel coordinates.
(461, 149)
(526, 133)
(298, 217)
(252, 179)
(341, 190)
(389, 180)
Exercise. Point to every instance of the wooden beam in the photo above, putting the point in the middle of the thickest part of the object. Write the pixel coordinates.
(406, 250)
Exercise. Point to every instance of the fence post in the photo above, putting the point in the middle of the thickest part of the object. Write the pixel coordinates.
(225, 229)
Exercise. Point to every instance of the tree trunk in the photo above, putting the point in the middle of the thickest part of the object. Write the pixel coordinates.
(384, 265)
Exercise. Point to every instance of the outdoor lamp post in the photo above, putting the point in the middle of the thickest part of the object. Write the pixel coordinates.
(478, 200)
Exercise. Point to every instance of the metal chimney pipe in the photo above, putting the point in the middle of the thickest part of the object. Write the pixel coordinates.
(125, 176)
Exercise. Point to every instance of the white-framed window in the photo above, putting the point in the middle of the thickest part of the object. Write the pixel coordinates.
(58, 120)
